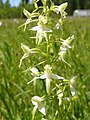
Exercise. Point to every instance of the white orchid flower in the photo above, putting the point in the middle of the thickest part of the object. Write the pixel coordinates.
(64, 47)
(35, 74)
(60, 9)
(65, 43)
(27, 51)
(72, 83)
(48, 75)
(29, 18)
(38, 104)
(41, 30)
(61, 55)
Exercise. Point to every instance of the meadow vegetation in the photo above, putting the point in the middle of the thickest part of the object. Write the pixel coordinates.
(15, 94)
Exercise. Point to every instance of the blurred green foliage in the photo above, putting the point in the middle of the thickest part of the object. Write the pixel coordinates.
(6, 11)
(15, 94)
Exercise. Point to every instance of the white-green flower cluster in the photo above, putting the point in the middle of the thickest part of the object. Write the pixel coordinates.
(45, 40)
(41, 29)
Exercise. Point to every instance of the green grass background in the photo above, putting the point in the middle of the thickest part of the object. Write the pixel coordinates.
(15, 94)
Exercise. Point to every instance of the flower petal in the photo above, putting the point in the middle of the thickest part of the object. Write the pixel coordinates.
(54, 76)
(35, 28)
(42, 110)
(33, 112)
(48, 85)
(43, 76)
(72, 90)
